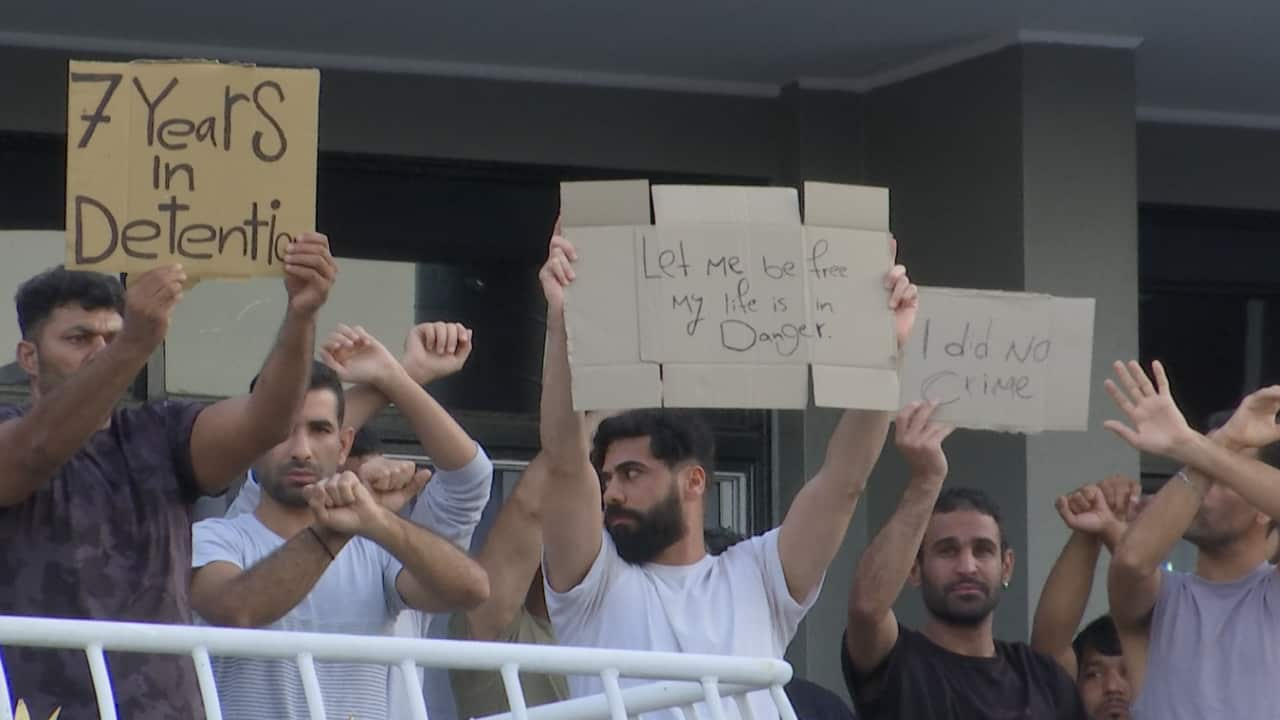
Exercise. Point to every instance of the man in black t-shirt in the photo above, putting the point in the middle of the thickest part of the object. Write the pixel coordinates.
(951, 545)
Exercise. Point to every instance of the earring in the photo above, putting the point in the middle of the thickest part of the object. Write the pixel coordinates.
(1006, 584)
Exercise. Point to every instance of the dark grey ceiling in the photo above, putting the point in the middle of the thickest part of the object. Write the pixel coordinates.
(1195, 57)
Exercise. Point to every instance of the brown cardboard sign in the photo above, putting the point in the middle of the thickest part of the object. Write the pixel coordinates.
(209, 165)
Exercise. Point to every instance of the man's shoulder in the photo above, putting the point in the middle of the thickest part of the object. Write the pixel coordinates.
(1020, 650)
(1022, 656)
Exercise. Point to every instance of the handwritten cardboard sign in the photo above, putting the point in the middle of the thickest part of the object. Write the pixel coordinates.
(1002, 361)
(728, 299)
(209, 165)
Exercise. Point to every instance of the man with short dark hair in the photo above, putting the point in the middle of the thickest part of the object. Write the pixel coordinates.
(1101, 676)
(625, 559)
(1097, 516)
(322, 552)
(950, 544)
(95, 500)
(1199, 644)
(364, 446)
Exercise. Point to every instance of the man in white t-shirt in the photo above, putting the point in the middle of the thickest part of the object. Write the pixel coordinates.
(624, 558)
(453, 502)
(322, 552)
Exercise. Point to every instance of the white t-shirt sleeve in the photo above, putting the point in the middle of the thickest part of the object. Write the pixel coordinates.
(583, 600)
(454, 500)
(217, 540)
(391, 569)
(247, 499)
(787, 613)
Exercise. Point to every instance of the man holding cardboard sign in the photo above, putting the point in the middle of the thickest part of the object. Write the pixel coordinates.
(645, 582)
(95, 500)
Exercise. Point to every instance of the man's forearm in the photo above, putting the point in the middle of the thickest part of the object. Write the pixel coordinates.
(1255, 481)
(1065, 595)
(447, 444)
(274, 586)
(561, 428)
(855, 446)
(57, 426)
(363, 403)
(1153, 535)
(446, 578)
(886, 563)
(282, 384)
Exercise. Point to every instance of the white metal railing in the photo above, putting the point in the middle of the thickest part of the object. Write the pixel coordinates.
(681, 680)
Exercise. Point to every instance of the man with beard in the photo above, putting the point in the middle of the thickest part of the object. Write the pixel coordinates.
(322, 552)
(1200, 644)
(624, 558)
(951, 545)
(96, 500)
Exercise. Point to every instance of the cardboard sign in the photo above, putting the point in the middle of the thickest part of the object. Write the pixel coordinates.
(209, 165)
(1002, 361)
(728, 300)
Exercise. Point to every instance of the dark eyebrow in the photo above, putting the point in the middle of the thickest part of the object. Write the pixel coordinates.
(320, 424)
(622, 467)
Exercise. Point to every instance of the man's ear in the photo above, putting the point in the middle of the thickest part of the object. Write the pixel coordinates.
(28, 357)
(347, 437)
(696, 485)
(1006, 574)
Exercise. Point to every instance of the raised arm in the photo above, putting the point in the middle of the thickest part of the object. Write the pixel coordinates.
(1133, 581)
(1095, 519)
(437, 576)
(35, 445)
(1253, 425)
(360, 358)
(573, 520)
(511, 554)
(816, 523)
(229, 435)
(886, 564)
(432, 351)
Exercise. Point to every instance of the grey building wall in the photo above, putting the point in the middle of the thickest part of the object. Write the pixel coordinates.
(1079, 240)
(949, 147)
(451, 118)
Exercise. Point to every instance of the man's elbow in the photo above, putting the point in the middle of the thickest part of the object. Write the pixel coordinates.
(23, 474)
(865, 611)
(1129, 565)
(474, 592)
(236, 617)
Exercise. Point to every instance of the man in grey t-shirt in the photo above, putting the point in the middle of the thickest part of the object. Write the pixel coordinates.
(1204, 644)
